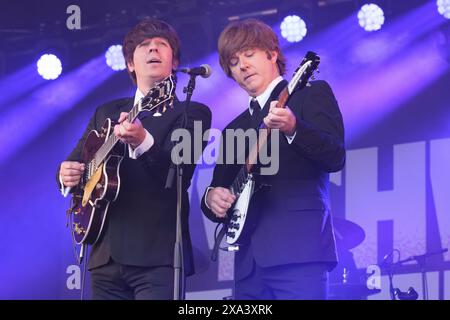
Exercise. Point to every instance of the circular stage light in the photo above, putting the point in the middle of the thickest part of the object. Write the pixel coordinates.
(114, 58)
(371, 17)
(293, 28)
(444, 7)
(49, 66)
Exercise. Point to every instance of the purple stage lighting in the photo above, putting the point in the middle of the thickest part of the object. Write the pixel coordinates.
(293, 28)
(371, 17)
(114, 58)
(444, 8)
(49, 66)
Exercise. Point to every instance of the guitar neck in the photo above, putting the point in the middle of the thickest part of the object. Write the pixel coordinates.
(283, 98)
(112, 140)
(264, 133)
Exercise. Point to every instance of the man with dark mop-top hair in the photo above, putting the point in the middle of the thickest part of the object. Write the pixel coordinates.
(133, 259)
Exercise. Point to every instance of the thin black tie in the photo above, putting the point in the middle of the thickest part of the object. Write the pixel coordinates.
(256, 111)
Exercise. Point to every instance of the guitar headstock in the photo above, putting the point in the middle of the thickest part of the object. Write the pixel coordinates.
(304, 72)
(159, 97)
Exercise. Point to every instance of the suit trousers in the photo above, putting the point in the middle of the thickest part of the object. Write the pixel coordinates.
(298, 281)
(115, 281)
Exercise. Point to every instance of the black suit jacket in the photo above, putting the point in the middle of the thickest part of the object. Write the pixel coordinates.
(141, 223)
(294, 222)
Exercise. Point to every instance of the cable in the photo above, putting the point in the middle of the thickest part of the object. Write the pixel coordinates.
(391, 265)
(83, 275)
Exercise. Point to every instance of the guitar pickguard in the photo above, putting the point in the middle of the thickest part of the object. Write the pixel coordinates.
(91, 185)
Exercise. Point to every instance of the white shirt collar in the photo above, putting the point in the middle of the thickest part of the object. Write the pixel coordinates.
(263, 97)
(138, 96)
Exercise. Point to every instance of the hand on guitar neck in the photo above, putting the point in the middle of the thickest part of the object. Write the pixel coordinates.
(131, 133)
(281, 118)
(70, 173)
(219, 200)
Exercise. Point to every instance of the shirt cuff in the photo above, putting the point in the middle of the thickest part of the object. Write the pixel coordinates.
(64, 190)
(148, 142)
(206, 196)
(290, 138)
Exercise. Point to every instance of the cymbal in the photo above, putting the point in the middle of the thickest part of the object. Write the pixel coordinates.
(348, 234)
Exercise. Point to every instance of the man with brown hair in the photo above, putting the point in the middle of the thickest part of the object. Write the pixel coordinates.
(133, 259)
(292, 247)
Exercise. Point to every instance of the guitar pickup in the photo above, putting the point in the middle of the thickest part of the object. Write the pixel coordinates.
(235, 218)
(234, 226)
(231, 234)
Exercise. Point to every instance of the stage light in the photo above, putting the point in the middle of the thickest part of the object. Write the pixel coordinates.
(444, 8)
(114, 58)
(371, 17)
(293, 28)
(49, 66)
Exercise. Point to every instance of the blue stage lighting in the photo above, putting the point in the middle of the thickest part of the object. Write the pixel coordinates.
(293, 28)
(49, 66)
(371, 17)
(114, 58)
(444, 7)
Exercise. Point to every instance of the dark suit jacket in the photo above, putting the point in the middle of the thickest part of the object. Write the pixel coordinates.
(294, 223)
(140, 228)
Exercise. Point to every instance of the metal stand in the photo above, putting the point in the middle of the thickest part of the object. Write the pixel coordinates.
(178, 259)
(412, 294)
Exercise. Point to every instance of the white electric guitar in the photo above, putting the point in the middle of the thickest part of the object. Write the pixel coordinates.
(239, 223)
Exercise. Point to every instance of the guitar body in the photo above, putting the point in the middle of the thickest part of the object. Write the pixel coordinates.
(96, 189)
(241, 222)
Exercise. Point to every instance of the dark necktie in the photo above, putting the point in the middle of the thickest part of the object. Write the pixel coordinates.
(256, 111)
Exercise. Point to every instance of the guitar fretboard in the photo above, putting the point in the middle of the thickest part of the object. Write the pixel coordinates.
(111, 141)
(239, 181)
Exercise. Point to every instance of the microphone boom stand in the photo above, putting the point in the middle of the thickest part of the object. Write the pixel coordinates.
(421, 261)
(178, 261)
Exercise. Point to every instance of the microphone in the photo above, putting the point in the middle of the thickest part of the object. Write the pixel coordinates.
(204, 70)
